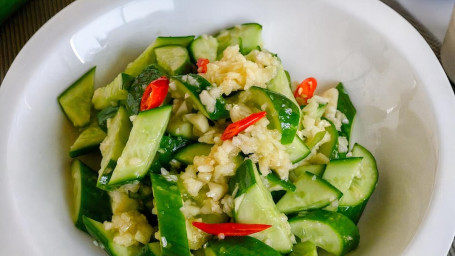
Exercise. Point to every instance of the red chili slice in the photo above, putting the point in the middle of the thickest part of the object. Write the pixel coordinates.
(231, 229)
(155, 93)
(239, 126)
(202, 65)
(305, 90)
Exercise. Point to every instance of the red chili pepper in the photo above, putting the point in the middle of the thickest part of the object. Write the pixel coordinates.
(155, 93)
(231, 229)
(305, 90)
(239, 126)
(202, 65)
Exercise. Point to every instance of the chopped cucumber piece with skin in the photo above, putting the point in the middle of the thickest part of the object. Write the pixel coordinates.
(341, 172)
(253, 204)
(106, 238)
(89, 140)
(204, 47)
(356, 197)
(304, 249)
(311, 192)
(137, 88)
(297, 150)
(280, 84)
(113, 93)
(187, 154)
(330, 148)
(142, 145)
(171, 221)
(282, 113)
(235, 246)
(178, 127)
(247, 36)
(174, 59)
(148, 56)
(192, 85)
(76, 100)
(311, 143)
(346, 107)
(151, 249)
(316, 169)
(88, 200)
(331, 231)
(118, 131)
(275, 182)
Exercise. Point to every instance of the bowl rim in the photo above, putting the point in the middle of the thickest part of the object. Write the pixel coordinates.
(438, 218)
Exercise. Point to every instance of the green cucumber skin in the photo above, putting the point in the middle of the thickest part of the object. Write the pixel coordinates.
(169, 146)
(304, 249)
(297, 150)
(280, 84)
(151, 249)
(283, 109)
(353, 212)
(347, 108)
(144, 132)
(275, 180)
(187, 154)
(148, 57)
(97, 231)
(137, 88)
(171, 221)
(345, 228)
(94, 203)
(316, 169)
(308, 199)
(193, 91)
(243, 179)
(236, 246)
(85, 108)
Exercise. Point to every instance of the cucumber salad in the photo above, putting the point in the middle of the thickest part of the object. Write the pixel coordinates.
(206, 147)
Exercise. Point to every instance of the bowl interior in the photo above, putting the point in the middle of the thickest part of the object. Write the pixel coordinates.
(323, 39)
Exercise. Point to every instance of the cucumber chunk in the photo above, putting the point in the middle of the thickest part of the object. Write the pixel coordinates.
(89, 140)
(113, 93)
(171, 221)
(280, 84)
(282, 113)
(106, 238)
(192, 85)
(311, 192)
(346, 107)
(178, 127)
(341, 172)
(104, 115)
(87, 199)
(316, 169)
(254, 204)
(187, 154)
(140, 150)
(355, 198)
(118, 131)
(297, 150)
(330, 231)
(304, 249)
(204, 47)
(76, 100)
(148, 56)
(312, 142)
(136, 90)
(247, 36)
(235, 246)
(174, 59)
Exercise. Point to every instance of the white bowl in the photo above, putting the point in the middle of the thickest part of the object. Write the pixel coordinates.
(406, 109)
